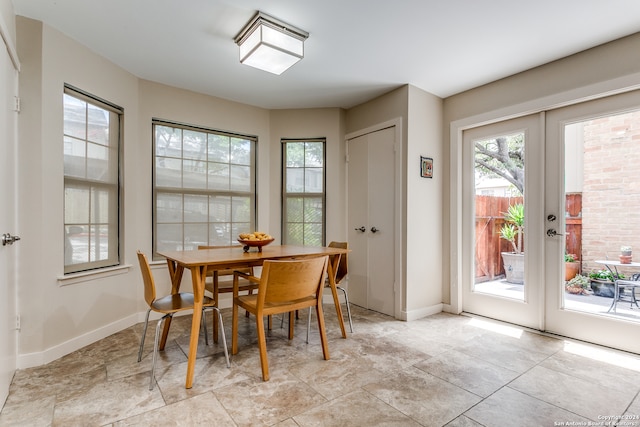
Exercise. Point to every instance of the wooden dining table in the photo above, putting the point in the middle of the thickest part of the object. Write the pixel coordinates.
(201, 261)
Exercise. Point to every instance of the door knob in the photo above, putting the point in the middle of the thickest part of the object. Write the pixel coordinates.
(552, 233)
(8, 239)
(361, 229)
(374, 230)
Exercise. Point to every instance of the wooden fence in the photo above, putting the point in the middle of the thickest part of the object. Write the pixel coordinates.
(490, 219)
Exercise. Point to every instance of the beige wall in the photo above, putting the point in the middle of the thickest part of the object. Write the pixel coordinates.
(603, 70)
(420, 114)
(327, 123)
(53, 315)
(424, 232)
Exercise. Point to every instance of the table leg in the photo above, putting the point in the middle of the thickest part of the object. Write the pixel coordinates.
(175, 272)
(616, 295)
(332, 267)
(198, 293)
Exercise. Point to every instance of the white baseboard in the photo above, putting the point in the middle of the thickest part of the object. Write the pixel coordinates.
(40, 358)
(421, 312)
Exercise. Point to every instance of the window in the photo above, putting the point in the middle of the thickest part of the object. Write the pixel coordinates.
(304, 195)
(91, 182)
(204, 186)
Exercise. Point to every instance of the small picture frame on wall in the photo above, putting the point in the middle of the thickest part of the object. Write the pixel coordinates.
(426, 167)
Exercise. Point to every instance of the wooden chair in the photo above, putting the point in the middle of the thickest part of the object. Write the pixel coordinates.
(216, 287)
(341, 273)
(169, 305)
(285, 286)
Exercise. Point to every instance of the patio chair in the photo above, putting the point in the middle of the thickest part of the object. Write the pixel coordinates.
(621, 286)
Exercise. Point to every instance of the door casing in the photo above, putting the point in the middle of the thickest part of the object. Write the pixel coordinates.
(396, 226)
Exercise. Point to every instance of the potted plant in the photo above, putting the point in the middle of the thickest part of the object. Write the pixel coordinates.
(578, 285)
(571, 267)
(625, 255)
(602, 282)
(513, 232)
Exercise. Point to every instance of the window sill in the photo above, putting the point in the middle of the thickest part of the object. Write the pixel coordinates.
(86, 276)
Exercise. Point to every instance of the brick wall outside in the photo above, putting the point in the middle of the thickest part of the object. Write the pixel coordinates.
(611, 192)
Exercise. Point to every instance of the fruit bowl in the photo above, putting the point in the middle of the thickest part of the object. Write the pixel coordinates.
(255, 243)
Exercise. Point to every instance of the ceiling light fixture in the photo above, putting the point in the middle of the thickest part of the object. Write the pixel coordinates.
(270, 44)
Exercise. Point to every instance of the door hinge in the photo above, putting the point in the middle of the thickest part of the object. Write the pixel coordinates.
(16, 104)
(18, 322)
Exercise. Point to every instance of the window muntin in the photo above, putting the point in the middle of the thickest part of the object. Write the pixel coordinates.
(91, 182)
(204, 186)
(304, 192)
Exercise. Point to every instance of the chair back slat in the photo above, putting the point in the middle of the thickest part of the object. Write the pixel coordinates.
(147, 278)
(290, 280)
(341, 271)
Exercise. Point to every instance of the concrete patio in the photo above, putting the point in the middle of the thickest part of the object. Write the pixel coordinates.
(584, 303)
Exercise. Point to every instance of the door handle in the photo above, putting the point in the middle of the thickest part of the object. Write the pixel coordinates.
(374, 230)
(552, 233)
(8, 239)
(361, 229)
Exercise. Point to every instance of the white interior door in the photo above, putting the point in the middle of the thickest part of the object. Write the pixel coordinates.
(592, 150)
(487, 287)
(8, 126)
(371, 220)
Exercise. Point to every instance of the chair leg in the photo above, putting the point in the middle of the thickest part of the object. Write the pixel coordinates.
(155, 351)
(215, 327)
(144, 333)
(234, 329)
(204, 327)
(262, 345)
(224, 338)
(309, 324)
(292, 325)
(346, 301)
(323, 332)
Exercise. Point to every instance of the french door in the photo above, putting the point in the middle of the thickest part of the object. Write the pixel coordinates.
(593, 151)
(503, 172)
(8, 132)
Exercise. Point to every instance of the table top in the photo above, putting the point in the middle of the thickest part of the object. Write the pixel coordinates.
(616, 263)
(228, 256)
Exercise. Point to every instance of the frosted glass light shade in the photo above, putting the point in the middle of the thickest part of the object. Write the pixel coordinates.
(270, 45)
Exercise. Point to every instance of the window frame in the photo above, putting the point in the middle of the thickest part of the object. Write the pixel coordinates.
(115, 189)
(252, 193)
(304, 194)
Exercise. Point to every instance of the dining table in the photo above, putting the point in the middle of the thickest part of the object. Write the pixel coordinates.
(201, 261)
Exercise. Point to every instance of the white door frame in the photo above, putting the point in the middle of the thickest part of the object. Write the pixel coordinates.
(456, 127)
(399, 285)
(8, 288)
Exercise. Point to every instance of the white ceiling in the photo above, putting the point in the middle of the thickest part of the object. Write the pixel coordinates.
(357, 49)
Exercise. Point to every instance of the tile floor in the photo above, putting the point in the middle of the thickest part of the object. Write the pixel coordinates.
(441, 370)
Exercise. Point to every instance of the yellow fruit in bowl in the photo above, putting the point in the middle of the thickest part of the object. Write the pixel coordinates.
(255, 236)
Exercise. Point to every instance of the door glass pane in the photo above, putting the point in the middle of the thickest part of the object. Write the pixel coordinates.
(499, 215)
(602, 216)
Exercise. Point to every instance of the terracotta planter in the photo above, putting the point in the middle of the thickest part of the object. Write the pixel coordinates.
(571, 270)
(625, 259)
